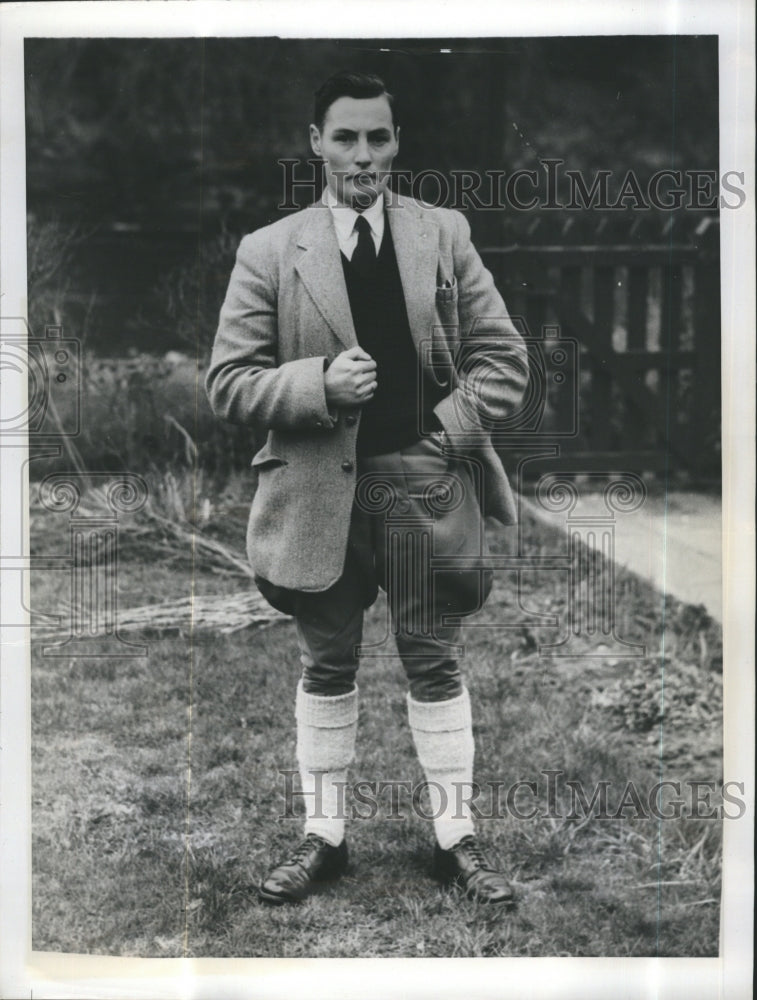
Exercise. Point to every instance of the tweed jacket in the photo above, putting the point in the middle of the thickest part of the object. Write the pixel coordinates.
(287, 313)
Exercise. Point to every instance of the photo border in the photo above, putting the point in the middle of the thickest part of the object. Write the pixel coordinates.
(47, 975)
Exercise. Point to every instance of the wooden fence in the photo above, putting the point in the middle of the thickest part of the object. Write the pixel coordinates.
(644, 324)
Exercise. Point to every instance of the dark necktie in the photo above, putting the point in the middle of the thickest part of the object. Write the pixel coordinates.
(364, 255)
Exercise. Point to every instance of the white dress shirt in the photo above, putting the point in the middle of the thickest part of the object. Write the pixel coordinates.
(344, 222)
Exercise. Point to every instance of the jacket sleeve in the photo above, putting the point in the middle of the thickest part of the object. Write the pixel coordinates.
(245, 382)
(492, 364)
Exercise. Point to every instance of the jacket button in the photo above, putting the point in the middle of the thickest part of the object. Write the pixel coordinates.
(347, 465)
(350, 420)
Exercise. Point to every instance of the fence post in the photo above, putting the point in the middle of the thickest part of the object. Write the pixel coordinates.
(707, 409)
(600, 405)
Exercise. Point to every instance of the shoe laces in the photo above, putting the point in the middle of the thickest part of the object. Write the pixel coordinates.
(302, 850)
(475, 852)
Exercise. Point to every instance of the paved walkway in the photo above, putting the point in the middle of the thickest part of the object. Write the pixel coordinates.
(672, 541)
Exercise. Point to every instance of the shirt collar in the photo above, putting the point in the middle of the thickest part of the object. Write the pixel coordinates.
(345, 217)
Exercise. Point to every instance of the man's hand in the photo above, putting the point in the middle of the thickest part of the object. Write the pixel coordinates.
(350, 379)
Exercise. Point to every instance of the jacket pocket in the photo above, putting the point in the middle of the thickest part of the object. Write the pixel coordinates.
(266, 459)
(446, 330)
(446, 293)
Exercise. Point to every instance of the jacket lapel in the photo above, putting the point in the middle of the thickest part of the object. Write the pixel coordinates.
(320, 268)
(416, 246)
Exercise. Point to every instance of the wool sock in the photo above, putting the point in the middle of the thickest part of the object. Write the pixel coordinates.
(443, 736)
(326, 729)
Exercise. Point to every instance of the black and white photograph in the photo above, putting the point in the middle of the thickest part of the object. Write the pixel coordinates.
(377, 429)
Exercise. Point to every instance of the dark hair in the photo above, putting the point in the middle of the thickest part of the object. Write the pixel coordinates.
(348, 84)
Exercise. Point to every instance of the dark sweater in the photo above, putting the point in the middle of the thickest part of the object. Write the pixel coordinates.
(391, 420)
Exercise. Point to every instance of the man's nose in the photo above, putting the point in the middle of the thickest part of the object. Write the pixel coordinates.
(362, 154)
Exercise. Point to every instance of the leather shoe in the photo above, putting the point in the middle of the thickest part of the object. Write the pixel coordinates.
(312, 862)
(466, 866)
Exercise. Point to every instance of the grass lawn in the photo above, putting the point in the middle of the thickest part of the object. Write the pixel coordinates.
(158, 786)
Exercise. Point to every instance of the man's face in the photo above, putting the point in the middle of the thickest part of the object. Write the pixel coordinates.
(358, 143)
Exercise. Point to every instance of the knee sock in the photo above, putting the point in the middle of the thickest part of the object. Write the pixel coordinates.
(443, 736)
(326, 728)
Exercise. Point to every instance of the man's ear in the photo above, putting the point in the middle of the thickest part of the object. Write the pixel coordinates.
(315, 140)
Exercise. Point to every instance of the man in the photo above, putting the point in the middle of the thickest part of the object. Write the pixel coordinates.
(365, 335)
